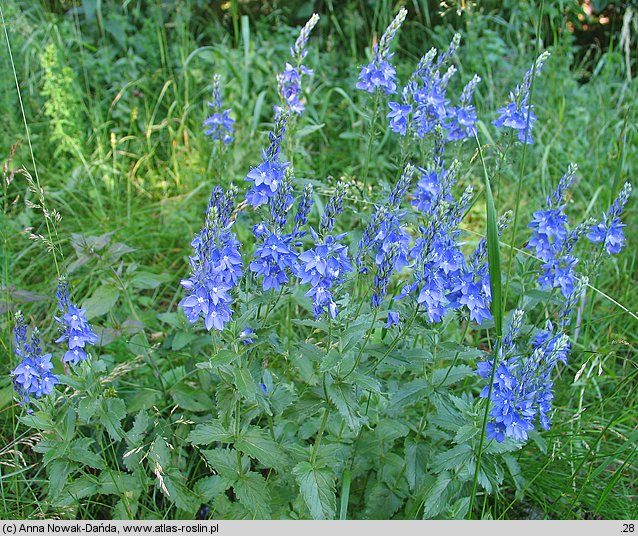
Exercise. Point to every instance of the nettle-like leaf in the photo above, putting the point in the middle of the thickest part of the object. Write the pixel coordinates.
(209, 432)
(252, 492)
(317, 486)
(255, 443)
(342, 395)
(112, 412)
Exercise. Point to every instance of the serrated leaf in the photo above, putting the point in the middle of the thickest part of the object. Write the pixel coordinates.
(192, 399)
(435, 494)
(209, 487)
(465, 433)
(342, 396)
(458, 456)
(416, 456)
(207, 433)
(101, 301)
(257, 444)
(87, 407)
(80, 488)
(181, 339)
(39, 420)
(317, 488)
(245, 383)
(408, 394)
(179, 492)
(112, 412)
(332, 359)
(224, 461)
(81, 452)
(58, 471)
(253, 494)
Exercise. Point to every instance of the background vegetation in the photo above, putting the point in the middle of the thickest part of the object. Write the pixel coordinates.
(114, 94)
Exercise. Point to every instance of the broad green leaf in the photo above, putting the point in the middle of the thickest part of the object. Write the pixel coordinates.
(179, 492)
(435, 495)
(458, 456)
(224, 461)
(81, 452)
(253, 494)
(342, 396)
(450, 375)
(39, 420)
(181, 339)
(245, 383)
(257, 444)
(101, 301)
(210, 487)
(59, 471)
(332, 358)
(408, 394)
(207, 433)
(192, 399)
(80, 488)
(317, 488)
(87, 407)
(112, 412)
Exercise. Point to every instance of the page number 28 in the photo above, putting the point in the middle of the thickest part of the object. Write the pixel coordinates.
(627, 527)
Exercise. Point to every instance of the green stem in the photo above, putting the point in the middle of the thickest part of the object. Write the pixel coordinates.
(377, 98)
(365, 342)
(322, 428)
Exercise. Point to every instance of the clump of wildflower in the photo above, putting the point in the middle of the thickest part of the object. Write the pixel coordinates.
(425, 105)
(325, 265)
(518, 113)
(380, 74)
(386, 231)
(220, 124)
(74, 325)
(32, 378)
(268, 175)
(551, 239)
(216, 265)
(461, 120)
(609, 230)
(289, 81)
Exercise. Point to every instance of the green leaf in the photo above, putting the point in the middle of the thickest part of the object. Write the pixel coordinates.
(317, 488)
(245, 383)
(81, 452)
(456, 457)
(192, 399)
(207, 433)
(58, 471)
(112, 412)
(342, 396)
(102, 301)
(39, 420)
(256, 444)
(435, 495)
(224, 461)
(147, 280)
(179, 492)
(209, 487)
(252, 493)
(68, 424)
(408, 394)
(181, 339)
(87, 407)
(330, 360)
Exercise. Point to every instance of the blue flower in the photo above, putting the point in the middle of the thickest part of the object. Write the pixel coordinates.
(274, 259)
(32, 377)
(216, 265)
(268, 176)
(393, 319)
(75, 327)
(245, 334)
(220, 124)
(518, 113)
(609, 230)
(399, 116)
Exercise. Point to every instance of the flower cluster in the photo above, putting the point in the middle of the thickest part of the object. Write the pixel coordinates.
(275, 257)
(552, 242)
(74, 325)
(425, 105)
(289, 81)
(220, 124)
(521, 385)
(380, 73)
(518, 113)
(216, 265)
(609, 230)
(325, 265)
(32, 377)
(268, 175)
(385, 238)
